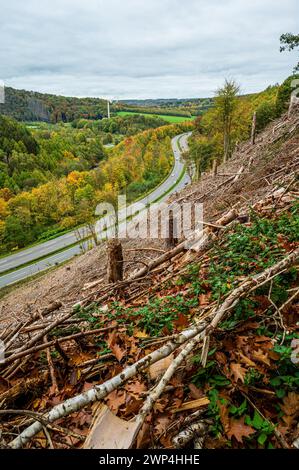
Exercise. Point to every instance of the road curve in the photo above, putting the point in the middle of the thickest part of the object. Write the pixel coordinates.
(47, 248)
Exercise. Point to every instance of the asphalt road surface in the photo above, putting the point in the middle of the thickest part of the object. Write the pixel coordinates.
(47, 249)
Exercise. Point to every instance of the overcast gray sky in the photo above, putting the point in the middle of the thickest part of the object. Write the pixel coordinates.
(144, 48)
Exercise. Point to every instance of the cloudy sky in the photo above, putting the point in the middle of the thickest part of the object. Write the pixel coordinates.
(144, 48)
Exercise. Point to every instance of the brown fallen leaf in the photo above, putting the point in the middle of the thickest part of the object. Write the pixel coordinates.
(195, 392)
(238, 372)
(224, 418)
(290, 408)
(221, 357)
(239, 430)
(263, 339)
(262, 357)
(136, 388)
(182, 321)
(116, 399)
(242, 341)
(118, 352)
(88, 386)
(132, 406)
(245, 359)
(204, 299)
(140, 334)
(160, 405)
(82, 417)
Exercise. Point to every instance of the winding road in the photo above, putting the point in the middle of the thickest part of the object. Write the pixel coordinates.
(48, 250)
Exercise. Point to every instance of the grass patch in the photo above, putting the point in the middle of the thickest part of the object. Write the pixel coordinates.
(172, 119)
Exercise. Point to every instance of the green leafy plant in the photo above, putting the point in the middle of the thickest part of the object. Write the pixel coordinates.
(263, 427)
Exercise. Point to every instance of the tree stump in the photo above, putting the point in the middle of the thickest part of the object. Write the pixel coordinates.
(214, 169)
(172, 240)
(115, 261)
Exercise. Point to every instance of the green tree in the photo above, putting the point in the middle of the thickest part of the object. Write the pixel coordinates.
(289, 42)
(265, 113)
(200, 155)
(226, 103)
(284, 93)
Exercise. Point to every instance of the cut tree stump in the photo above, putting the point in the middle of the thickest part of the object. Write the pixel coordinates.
(115, 261)
(172, 240)
(215, 166)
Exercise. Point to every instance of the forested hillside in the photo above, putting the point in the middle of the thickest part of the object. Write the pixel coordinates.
(30, 157)
(26, 105)
(235, 125)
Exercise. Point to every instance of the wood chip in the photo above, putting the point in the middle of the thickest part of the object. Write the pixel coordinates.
(110, 432)
(191, 405)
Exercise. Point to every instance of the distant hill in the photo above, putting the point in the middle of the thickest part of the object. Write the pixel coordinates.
(167, 102)
(26, 105)
(171, 106)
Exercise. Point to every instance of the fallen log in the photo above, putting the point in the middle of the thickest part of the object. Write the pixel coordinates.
(194, 430)
(40, 335)
(48, 344)
(23, 387)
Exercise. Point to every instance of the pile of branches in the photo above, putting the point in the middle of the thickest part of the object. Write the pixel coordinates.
(57, 367)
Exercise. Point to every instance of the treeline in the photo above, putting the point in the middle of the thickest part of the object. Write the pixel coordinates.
(24, 105)
(136, 165)
(122, 125)
(229, 122)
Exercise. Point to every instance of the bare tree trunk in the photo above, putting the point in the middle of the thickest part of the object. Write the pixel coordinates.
(225, 146)
(115, 261)
(253, 127)
(172, 231)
